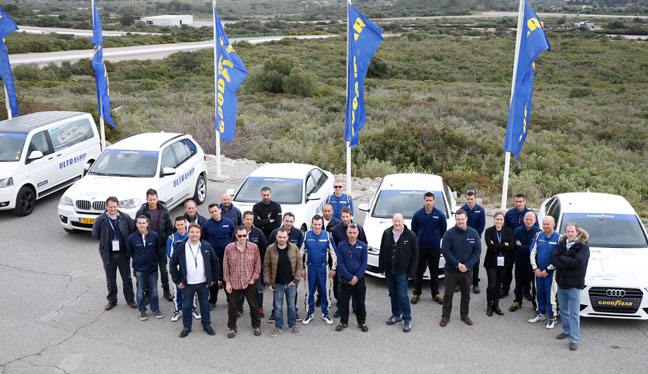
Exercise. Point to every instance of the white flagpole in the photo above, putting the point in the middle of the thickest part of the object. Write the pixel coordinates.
(7, 105)
(101, 119)
(218, 160)
(348, 144)
(518, 40)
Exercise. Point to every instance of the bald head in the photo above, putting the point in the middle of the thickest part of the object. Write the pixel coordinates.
(548, 225)
(226, 200)
(398, 222)
(529, 220)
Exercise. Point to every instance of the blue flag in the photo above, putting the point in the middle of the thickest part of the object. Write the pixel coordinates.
(364, 37)
(230, 74)
(103, 86)
(7, 26)
(533, 43)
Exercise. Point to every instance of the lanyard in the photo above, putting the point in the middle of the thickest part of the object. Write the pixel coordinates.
(499, 237)
(113, 227)
(195, 256)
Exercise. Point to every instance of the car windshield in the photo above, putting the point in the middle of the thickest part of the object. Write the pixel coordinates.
(284, 190)
(126, 163)
(11, 146)
(609, 230)
(406, 202)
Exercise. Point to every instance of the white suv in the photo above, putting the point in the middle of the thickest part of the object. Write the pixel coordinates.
(41, 153)
(173, 164)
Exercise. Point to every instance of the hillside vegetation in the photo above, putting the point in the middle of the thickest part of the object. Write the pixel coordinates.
(435, 103)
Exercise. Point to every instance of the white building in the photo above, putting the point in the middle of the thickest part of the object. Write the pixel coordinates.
(168, 20)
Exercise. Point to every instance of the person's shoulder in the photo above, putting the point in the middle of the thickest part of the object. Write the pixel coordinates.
(472, 231)
(227, 221)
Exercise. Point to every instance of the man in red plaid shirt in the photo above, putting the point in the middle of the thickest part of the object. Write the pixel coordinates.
(241, 268)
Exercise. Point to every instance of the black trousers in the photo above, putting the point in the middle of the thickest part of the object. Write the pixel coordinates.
(524, 277)
(164, 271)
(451, 280)
(213, 290)
(508, 272)
(475, 270)
(495, 277)
(428, 258)
(121, 261)
(232, 306)
(358, 291)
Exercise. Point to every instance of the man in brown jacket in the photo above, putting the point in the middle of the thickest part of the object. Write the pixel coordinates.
(282, 271)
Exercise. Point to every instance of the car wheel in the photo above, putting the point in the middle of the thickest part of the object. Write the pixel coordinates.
(25, 201)
(200, 194)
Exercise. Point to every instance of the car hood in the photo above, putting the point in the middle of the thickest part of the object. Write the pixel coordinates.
(374, 228)
(8, 169)
(99, 187)
(617, 267)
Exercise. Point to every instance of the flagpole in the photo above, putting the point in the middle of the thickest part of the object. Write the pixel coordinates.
(102, 129)
(7, 105)
(518, 41)
(218, 160)
(348, 144)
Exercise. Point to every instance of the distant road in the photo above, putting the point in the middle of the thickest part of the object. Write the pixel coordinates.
(144, 52)
(77, 32)
(510, 14)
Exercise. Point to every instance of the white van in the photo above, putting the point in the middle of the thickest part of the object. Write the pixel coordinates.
(41, 153)
(616, 282)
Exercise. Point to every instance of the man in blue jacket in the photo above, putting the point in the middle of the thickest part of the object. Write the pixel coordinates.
(429, 224)
(339, 200)
(477, 220)
(217, 231)
(352, 263)
(541, 250)
(230, 211)
(461, 249)
(523, 236)
(144, 247)
(195, 268)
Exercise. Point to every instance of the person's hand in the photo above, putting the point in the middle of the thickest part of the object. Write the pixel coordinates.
(272, 221)
(271, 288)
(410, 279)
(228, 287)
(492, 242)
(291, 283)
(544, 274)
(538, 273)
(331, 273)
(518, 242)
(251, 281)
(181, 286)
(353, 281)
(506, 244)
(383, 274)
(209, 285)
(462, 268)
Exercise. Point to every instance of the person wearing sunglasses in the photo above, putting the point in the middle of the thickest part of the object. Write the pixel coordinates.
(339, 200)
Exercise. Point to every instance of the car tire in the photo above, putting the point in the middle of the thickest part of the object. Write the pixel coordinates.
(200, 193)
(25, 201)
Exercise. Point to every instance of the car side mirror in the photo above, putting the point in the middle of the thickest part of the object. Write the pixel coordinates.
(313, 196)
(168, 171)
(35, 155)
(364, 207)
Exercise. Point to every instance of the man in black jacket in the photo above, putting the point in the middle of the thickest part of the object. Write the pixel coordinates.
(112, 229)
(195, 274)
(160, 220)
(397, 262)
(267, 213)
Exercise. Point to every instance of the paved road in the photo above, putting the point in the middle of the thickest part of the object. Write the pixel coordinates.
(53, 321)
(145, 52)
(77, 32)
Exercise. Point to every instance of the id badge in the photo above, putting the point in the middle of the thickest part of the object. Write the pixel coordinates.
(500, 260)
(115, 245)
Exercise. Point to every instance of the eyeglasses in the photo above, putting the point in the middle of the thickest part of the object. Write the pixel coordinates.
(242, 236)
(337, 186)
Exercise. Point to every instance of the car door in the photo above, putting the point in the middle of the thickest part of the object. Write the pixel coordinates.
(185, 171)
(69, 149)
(166, 188)
(41, 171)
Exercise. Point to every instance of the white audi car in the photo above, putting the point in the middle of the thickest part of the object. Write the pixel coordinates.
(173, 164)
(616, 282)
(403, 193)
(299, 188)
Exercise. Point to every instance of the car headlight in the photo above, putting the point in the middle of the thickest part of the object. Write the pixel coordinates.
(66, 200)
(6, 182)
(129, 203)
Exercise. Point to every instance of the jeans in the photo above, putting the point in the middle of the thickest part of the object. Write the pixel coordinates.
(358, 290)
(121, 261)
(495, 276)
(277, 308)
(147, 281)
(451, 280)
(164, 272)
(397, 286)
(428, 258)
(232, 307)
(546, 295)
(188, 293)
(317, 280)
(523, 279)
(569, 300)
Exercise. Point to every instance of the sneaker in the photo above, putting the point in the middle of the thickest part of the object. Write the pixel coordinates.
(552, 323)
(143, 316)
(438, 299)
(476, 289)
(415, 299)
(573, 346)
(271, 319)
(327, 319)
(562, 336)
(336, 314)
(157, 314)
(307, 320)
(195, 314)
(261, 314)
(341, 326)
(295, 330)
(393, 320)
(299, 319)
(515, 306)
(175, 316)
(537, 318)
(407, 326)
(363, 327)
(275, 332)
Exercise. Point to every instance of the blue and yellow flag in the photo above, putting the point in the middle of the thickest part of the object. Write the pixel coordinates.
(7, 26)
(364, 38)
(533, 43)
(231, 73)
(103, 86)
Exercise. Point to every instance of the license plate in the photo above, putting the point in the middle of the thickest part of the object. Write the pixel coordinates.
(89, 221)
